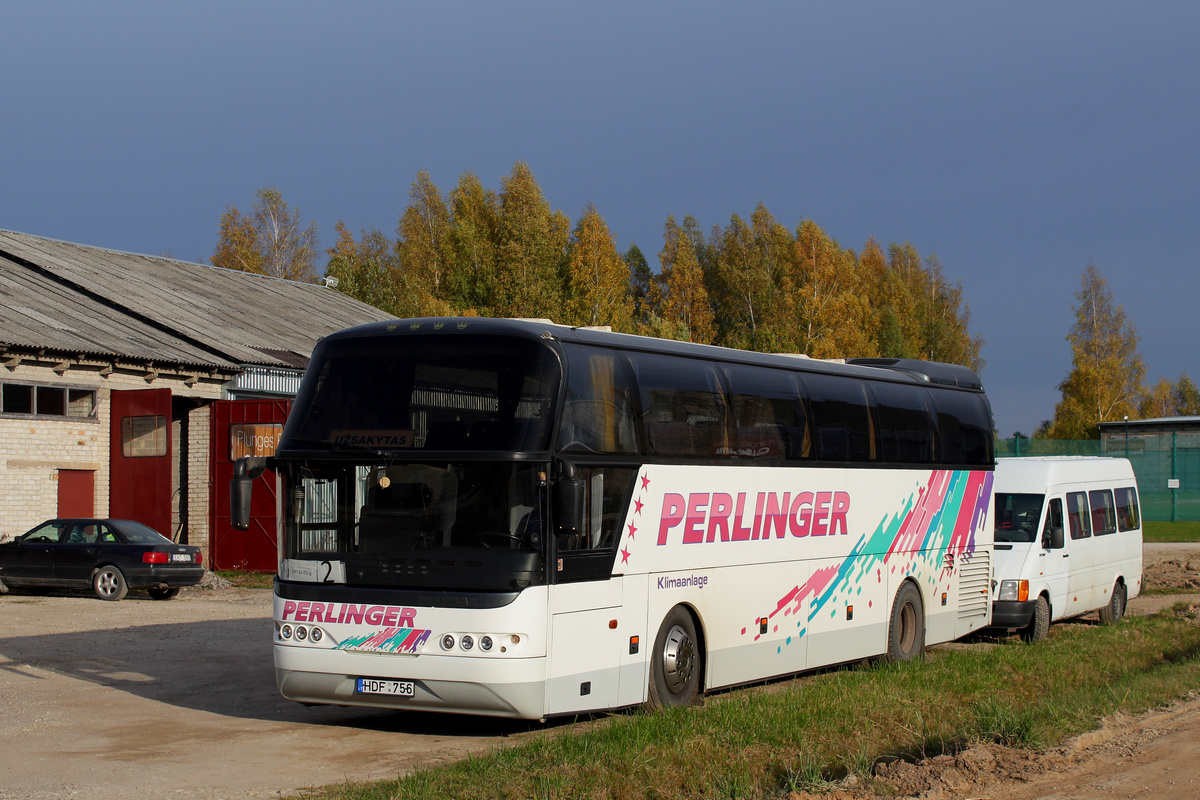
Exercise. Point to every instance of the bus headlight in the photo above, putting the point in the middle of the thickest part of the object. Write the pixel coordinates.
(1014, 591)
(448, 641)
(285, 632)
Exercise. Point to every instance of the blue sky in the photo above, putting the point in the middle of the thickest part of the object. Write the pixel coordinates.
(1019, 142)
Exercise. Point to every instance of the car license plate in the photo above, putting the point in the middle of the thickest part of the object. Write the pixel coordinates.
(387, 686)
(184, 557)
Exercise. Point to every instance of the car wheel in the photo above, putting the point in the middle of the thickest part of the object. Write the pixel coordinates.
(906, 631)
(1111, 614)
(676, 662)
(1039, 625)
(108, 583)
(161, 593)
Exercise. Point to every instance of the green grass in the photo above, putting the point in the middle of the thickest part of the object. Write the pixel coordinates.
(764, 742)
(1171, 531)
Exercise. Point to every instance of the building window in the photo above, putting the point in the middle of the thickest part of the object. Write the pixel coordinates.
(47, 401)
(144, 437)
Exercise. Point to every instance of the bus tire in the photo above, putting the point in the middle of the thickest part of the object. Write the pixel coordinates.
(906, 631)
(1039, 624)
(676, 662)
(1112, 613)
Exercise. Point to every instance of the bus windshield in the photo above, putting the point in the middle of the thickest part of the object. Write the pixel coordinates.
(462, 392)
(444, 525)
(1017, 516)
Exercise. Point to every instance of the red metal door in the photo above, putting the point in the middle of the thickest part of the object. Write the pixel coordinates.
(140, 485)
(76, 493)
(244, 427)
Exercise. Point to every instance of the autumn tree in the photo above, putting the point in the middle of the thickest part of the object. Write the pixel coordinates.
(833, 311)
(424, 239)
(641, 278)
(1186, 397)
(1106, 374)
(272, 240)
(474, 241)
(679, 298)
(597, 277)
(532, 249)
(368, 270)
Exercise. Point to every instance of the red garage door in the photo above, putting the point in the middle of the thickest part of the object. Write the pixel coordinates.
(140, 484)
(244, 428)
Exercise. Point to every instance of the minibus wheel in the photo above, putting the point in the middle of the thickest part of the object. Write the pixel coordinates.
(906, 632)
(1111, 614)
(1039, 624)
(676, 663)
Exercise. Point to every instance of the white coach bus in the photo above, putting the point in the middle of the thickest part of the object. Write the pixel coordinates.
(522, 519)
(1068, 541)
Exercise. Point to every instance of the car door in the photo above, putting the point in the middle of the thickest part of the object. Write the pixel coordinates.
(1080, 550)
(77, 554)
(32, 559)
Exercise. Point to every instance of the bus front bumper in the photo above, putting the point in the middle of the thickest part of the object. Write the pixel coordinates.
(513, 688)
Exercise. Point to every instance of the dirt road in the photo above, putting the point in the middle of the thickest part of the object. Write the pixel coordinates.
(144, 699)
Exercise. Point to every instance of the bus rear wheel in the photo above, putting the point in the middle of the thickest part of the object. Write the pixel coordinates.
(676, 662)
(906, 631)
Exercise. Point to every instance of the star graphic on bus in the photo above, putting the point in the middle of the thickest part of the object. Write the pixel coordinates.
(632, 530)
(625, 555)
(645, 482)
(638, 506)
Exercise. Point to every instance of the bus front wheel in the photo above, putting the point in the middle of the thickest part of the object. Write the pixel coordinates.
(906, 632)
(676, 662)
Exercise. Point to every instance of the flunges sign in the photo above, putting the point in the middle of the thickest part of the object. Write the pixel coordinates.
(254, 439)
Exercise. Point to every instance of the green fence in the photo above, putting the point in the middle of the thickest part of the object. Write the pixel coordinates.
(1167, 467)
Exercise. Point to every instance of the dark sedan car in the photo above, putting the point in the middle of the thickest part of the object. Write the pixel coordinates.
(111, 556)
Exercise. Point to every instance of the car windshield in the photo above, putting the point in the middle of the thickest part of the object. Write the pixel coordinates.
(1017, 516)
(137, 533)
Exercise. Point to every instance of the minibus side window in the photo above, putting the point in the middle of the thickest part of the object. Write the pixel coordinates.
(1077, 515)
(1104, 515)
(1128, 515)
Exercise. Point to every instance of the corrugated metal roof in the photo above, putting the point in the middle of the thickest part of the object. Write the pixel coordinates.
(95, 301)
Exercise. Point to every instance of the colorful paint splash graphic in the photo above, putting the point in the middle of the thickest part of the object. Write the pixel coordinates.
(388, 640)
(941, 517)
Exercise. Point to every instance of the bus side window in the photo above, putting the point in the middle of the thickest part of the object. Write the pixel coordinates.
(682, 407)
(964, 427)
(906, 425)
(597, 414)
(768, 414)
(1052, 534)
(1077, 515)
(843, 418)
(1128, 516)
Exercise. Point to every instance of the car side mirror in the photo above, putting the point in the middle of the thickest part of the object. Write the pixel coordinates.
(241, 489)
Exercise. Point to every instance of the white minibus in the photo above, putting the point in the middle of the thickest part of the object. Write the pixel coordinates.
(1068, 541)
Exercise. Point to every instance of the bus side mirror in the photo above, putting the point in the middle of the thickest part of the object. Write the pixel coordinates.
(568, 502)
(241, 489)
